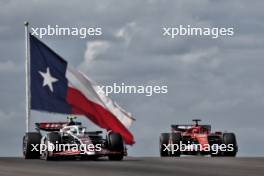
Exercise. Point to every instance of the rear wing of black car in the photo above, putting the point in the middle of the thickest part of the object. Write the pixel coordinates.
(53, 126)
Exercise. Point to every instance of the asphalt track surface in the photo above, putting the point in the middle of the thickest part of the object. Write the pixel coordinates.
(138, 166)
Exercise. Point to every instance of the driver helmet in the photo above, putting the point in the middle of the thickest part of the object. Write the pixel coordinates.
(195, 130)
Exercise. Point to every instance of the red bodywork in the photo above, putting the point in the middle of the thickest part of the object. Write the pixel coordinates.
(195, 134)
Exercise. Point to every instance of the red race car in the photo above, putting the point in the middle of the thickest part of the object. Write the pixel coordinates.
(197, 139)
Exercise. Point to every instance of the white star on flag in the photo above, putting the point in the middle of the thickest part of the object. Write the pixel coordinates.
(48, 79)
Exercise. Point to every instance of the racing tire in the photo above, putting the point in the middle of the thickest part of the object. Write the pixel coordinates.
(115, 144)
(215, 142)
(230, 138)
(164, 140)
(53, 138)
(30, 139)
(175, 139)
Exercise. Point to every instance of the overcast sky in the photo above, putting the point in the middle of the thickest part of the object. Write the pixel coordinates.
(218, 80)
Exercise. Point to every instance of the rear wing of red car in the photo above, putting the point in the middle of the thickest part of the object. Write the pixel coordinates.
(183, 128)
(52, 126)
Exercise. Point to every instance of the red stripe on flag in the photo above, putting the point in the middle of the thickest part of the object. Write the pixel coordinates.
(97, 114)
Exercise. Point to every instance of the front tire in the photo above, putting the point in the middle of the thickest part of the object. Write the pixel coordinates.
(29, 140)
(115, 144)
(230, 139)
(164, 141)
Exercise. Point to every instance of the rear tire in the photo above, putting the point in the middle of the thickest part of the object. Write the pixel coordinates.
(164, 140)
(115, 144)
(215, 142)
(30, 139)
(230, 139)
(176, 139)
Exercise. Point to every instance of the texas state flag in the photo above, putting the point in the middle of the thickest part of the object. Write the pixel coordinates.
(56, 87)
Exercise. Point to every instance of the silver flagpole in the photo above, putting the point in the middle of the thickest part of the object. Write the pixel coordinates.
(27, 69)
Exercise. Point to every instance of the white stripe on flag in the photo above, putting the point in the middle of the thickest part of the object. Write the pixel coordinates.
(91, 91)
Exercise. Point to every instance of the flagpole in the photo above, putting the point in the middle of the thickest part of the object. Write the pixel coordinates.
(27, 70)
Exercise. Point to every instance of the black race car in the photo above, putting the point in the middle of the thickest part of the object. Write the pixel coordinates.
(71, 139)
